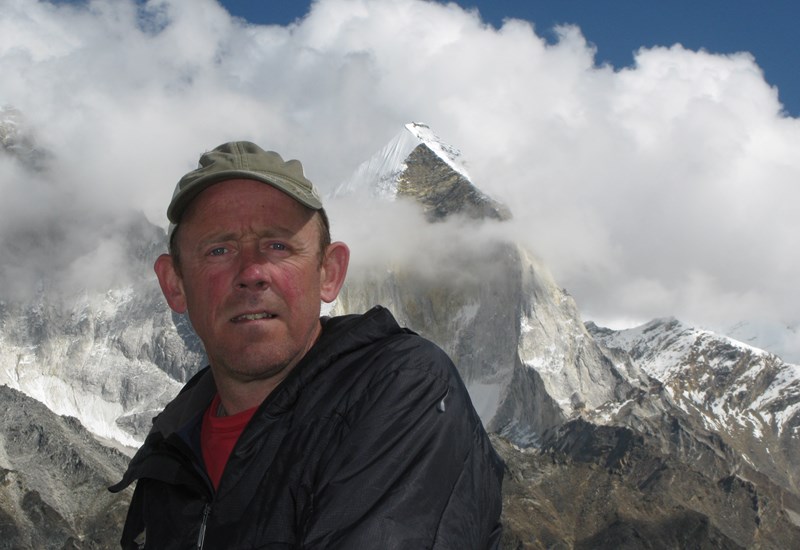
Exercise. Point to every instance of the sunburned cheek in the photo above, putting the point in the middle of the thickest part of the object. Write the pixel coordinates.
(293, 288)
(295, 282)
(205, 296)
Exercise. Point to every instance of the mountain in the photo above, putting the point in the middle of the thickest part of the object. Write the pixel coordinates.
(16, 140)
(417, 165)
(112, 357)
(658, 437)
(53, 475)
(612, 487)
(748, 397)
(516, 337)
(84, 328)
(663, 436)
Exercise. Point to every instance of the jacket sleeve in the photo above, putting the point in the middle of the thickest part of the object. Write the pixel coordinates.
(414, 469)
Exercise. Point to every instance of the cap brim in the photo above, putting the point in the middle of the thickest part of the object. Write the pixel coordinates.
(187, 195)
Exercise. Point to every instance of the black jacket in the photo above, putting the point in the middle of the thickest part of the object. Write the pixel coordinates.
(370, 442)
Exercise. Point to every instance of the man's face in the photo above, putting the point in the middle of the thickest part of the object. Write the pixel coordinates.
(250, 278)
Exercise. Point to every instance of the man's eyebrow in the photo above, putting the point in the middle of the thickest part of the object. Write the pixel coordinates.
(271, 232)
(215, 238)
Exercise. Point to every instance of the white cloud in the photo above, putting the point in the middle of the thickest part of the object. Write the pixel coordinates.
(668, 188)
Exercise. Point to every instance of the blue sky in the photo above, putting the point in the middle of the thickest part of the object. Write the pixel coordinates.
(617, 28)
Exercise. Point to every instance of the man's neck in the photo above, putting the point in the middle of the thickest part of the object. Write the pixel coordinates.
(236, 396)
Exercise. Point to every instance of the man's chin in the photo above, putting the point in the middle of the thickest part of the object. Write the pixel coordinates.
(252, 366)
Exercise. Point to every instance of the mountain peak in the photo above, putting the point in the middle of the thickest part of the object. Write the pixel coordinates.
(447, 153)
(417, 164)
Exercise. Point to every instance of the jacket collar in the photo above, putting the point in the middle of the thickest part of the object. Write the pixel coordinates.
(340, 336)
(359, 330)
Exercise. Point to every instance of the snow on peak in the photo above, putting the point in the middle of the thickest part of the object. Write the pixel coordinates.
(734, 381)
(449, 154)
(667, 342)
(378, 176)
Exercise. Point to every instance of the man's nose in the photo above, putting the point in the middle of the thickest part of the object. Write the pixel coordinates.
(253, 269)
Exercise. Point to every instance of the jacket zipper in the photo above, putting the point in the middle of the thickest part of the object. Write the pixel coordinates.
(202, 536)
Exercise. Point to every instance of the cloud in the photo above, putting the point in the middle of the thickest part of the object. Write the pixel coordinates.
(666, 188)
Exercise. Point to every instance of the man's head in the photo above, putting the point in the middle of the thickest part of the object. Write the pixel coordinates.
(251, 260)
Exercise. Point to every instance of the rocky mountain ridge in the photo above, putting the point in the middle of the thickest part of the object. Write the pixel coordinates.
(53, 479)
(749, 397)
(417, 165)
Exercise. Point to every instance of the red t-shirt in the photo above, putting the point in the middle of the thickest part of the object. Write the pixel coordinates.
(218, 436)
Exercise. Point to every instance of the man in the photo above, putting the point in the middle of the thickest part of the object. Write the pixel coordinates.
(304, 432)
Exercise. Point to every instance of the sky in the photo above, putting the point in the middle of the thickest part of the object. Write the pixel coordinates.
(648, 155)
(618, 28)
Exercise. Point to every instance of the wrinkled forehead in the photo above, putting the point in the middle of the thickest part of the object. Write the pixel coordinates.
(228, 199)
(232, 200)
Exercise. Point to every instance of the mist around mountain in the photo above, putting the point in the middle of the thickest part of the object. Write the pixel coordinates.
(663, 436)
(84, 328)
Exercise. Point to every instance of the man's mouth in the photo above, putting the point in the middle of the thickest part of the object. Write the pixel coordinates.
(252, 317)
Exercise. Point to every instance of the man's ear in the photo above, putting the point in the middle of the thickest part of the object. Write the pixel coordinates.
(333, 271)
(171, 283)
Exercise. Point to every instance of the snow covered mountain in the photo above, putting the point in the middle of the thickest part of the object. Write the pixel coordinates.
(661, 436)
(83, 326)
(111, 360)
(749, 397)
(416, 164)
(516, 337)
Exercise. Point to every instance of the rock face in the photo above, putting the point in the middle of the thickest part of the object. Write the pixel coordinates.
(612, 487)
(110, 358)
(516, 337)
(442, 191)
(53, 479)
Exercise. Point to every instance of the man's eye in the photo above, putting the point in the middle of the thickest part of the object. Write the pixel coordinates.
(218, 251)
(277, 246)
